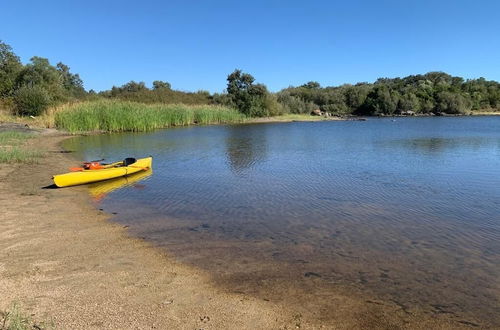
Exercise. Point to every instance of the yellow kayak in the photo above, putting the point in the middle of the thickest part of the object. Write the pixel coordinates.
(111, 171)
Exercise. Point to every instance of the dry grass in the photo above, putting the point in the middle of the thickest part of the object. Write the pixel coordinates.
(486, 112)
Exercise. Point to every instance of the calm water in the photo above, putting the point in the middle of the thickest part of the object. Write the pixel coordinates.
(404, 211)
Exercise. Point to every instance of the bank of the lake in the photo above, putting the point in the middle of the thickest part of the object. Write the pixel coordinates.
(104, 116)
(62, 261)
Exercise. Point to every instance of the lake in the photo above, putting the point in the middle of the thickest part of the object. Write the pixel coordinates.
(401, 214)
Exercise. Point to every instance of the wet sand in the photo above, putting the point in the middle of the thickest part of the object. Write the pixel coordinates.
(61, 259)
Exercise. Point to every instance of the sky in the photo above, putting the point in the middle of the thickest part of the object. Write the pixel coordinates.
(194, 45)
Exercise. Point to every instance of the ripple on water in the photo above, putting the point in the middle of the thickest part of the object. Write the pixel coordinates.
(406, 213)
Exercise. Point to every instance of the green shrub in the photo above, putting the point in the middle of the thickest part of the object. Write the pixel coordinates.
(31, 100)
(295, 104)
(273, 107)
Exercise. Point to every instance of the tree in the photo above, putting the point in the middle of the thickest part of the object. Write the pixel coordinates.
(381, 100)
(71, 82)
(158, 84)
(312, 85)
(294, 104)
(133, 87)
(408, 102)
(10, 66)
(248, 98)
(356, 95)
(335, 102)
(451, 103)
(40, 73)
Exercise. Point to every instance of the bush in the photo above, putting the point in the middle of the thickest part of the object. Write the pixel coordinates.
(31, 100)
(273, 107)
(452, 103)
(294, 104)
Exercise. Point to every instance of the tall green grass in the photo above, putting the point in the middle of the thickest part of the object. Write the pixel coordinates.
(119, 116)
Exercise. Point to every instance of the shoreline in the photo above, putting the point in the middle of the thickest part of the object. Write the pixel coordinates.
(46, 122)
(61, 259)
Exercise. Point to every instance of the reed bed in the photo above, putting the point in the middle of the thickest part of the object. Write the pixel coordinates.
(120, 116)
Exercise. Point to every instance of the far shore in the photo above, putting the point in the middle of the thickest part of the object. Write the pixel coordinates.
(47, 120)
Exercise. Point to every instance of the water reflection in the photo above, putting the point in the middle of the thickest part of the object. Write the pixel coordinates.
(245, 150)
(438, 145)
(99, 190)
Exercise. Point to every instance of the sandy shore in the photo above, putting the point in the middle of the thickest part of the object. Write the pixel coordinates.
(63, 261)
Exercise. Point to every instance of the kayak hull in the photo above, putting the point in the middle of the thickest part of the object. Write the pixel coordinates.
(88, 176)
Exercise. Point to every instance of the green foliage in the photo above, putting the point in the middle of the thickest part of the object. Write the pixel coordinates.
(251, 99)
(294, 104)
(37, 84)
(130, 87)
(448, 102)
(312, 85)
(71, 82)
(10, 66)
(381, 100)
(161, 93)
(40, 73)
(272, 106)
(31, 100)
(433, 92)
(117, 116)
(158, 84)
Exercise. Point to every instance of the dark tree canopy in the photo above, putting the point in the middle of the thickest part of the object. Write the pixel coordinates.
(71, 82)
(253, 100)
(433, 92)
(10, 66)
(158, 84)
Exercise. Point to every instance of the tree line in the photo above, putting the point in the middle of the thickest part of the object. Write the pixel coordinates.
(433, 92)
(29, 89)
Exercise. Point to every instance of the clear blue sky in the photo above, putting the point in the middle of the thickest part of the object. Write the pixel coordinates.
(196, 44)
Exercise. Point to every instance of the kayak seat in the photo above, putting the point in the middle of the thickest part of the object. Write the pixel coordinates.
(129, 161)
